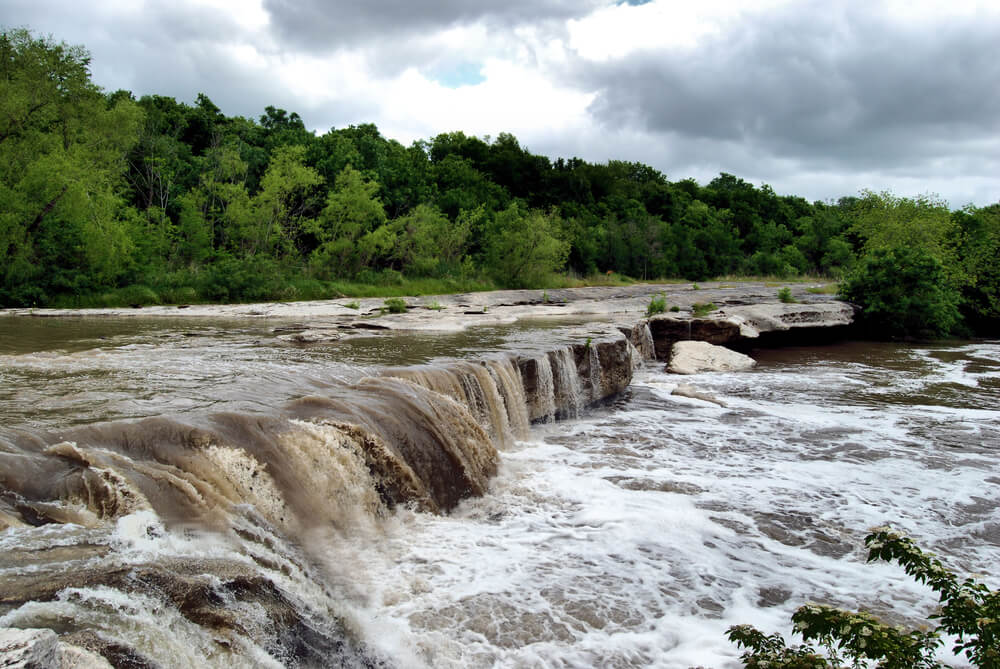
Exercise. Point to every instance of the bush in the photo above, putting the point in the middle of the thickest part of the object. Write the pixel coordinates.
(657, 305)
(785, 295)
(969, 611)
(903, 292)
(699, 309)
(395, 305)
(180, 295)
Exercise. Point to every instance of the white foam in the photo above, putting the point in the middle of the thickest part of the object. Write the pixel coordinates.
(636, 537)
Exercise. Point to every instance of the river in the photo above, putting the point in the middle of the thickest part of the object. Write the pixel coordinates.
(629, 534)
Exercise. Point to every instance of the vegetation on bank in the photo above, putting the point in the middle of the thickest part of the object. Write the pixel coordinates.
(834, 638)
(110, 200)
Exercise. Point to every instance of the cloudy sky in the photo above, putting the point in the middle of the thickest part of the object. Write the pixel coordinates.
(816, 98)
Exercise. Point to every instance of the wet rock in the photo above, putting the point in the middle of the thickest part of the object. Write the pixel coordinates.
(668, 328)
(311, 336)
(693, 357)
(605, 367)
(42, 649)
(685, 390)
(758, 319)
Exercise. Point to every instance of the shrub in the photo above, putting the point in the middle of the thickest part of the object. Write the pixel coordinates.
(699, 309)
(903, 291)
(395, 305)
(657, 305)
(136, 295)
(969, 611)
(180, 295)
(785, 295)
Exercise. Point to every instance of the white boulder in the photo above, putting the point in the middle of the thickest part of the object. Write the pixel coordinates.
(694, 357)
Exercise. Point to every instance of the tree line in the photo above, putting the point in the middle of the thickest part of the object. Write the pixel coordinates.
(105, 198)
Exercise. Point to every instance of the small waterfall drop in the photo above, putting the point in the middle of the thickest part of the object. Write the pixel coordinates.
(567, 382)
(545, 400)
(646, 346)
(594, 373)
(508, 379)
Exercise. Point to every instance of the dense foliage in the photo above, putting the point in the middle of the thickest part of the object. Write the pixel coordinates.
(106, 199)
(969, 612)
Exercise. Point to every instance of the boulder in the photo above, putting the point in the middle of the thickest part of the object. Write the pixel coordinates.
(693, 357)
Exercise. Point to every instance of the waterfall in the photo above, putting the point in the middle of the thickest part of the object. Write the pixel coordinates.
(545, 401)
(567, 382)
(206, 538)
(474, 385)
(594, 373)
(508, 380)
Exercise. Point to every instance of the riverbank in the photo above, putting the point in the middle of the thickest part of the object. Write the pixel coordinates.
(755, 304)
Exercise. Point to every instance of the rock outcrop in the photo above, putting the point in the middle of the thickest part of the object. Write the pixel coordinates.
(669, 328)
(750, 324)
(694, 357)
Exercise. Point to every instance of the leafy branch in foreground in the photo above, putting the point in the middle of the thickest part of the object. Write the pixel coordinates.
(969, 611)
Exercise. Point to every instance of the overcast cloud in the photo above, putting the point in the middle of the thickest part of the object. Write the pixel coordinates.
(819, 99)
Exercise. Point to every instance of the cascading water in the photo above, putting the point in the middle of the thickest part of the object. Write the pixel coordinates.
(545, 402)
(373, 522)
(594, 373)
(567, 382)
(202, 538)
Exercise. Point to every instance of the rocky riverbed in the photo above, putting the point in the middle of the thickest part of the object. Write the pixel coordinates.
(743, 311)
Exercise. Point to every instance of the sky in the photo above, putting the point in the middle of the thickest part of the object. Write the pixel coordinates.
(815, 98)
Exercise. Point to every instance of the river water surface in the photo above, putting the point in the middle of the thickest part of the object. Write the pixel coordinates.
(632, 535)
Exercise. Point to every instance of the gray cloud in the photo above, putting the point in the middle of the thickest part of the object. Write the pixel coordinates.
(325, 26)
(818, 100)
(823, 88)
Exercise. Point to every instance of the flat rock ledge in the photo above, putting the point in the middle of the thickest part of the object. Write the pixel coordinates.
(695, 357)
(744, 324)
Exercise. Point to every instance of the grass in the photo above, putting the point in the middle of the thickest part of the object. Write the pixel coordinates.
(394, 305)
(828, 289)
(699, 309)
(657, 305)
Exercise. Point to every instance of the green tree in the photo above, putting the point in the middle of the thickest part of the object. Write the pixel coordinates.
(215, 215)
(279, 215)
(521, 248)
(979, 250)
(63, 228)
(352, 228)
(903, 291)
(427, 243)
(884, 220)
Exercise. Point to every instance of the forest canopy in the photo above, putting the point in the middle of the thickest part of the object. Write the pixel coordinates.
(108, 199)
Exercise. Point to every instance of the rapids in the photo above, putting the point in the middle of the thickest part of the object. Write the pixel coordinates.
(206, 495)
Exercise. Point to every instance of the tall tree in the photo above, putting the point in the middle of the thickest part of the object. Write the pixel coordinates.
(62, 150)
